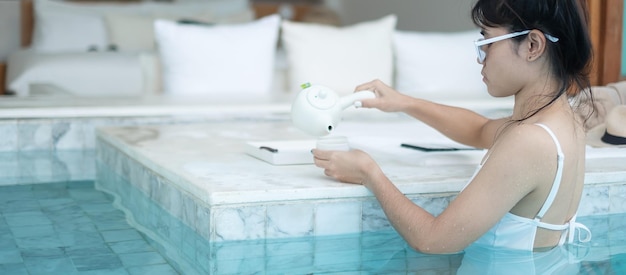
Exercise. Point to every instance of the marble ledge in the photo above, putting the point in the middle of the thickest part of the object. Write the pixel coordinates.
(208, 161)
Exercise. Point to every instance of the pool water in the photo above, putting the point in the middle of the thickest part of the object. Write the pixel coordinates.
(70, 228)
(58, 220)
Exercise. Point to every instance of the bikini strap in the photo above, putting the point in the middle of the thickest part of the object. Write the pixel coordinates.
(557, 179)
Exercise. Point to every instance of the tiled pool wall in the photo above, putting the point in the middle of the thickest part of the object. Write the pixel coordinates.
(314, 217)
(189, 246)
(33, 167)
(279, 219)
(57, 149)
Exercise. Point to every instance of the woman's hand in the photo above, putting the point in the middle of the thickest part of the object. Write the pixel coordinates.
(387, 99)
(354, 166)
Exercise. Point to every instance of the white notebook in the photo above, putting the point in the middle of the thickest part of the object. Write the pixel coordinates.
(286, 152)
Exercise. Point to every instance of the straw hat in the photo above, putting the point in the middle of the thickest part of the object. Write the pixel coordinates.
(611, 133)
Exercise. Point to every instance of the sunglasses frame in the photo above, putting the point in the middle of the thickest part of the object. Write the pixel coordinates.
(482, 42)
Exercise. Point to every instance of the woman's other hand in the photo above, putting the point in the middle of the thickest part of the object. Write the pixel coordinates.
(387, 99)
(353, 166)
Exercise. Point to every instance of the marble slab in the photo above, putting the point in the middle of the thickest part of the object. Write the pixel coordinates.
(50, 123)
(202, 175)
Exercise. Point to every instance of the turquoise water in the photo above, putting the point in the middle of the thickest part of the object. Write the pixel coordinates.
(82, 227)
(71, 228)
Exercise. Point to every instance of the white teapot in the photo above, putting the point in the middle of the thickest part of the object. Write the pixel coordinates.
(317, 109)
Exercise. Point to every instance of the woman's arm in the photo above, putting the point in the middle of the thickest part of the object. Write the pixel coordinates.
(458, 124)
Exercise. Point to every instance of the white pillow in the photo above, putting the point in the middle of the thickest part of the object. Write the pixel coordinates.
(339, 58)
(67, 26)
(438, 66)
(220, 60)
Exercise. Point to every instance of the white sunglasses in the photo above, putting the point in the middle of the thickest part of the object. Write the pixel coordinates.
(482, 42)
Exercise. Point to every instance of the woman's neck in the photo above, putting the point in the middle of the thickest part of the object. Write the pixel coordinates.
(534, 97)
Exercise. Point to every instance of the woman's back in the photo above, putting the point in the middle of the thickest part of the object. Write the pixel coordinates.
(571, 138)
(558, 183)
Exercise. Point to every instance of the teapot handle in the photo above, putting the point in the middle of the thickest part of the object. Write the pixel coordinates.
(350, 100)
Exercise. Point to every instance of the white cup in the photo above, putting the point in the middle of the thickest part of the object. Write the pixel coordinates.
(333, 143)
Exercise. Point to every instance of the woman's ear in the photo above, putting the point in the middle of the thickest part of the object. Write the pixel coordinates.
(536, 45)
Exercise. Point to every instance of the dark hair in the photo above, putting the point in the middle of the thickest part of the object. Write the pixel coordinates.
(570, 57)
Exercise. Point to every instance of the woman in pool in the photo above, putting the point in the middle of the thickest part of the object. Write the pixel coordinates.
(526, 191)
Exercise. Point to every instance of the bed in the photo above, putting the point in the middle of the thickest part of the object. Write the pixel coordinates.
(64, 44)
(136, 70)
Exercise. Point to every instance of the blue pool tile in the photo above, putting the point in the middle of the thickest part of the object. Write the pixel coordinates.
(16, 188)
(60, 228)
(237, 250)
(32, 231)
(8, 180)
(69, 218)
(96, 262)
(121, 235)
(112, 225)
(161, 269)
(189, 246)
(80, 238)
(91, 249)
(204, 254)
(130, 246)
(13, 269)
(288, 262)
(115, 271)
(80, 184)
(241, 266)
(20, 206)
(141, 259)
(7, 198)
(50, 186)
(89, 195)
(60, 208)
(52, 204)
(49, 265)
(10, 256)
(39, 242)
(48, 194)
(43, 252)
(618, 262)
(75, 227)
(50, 190)
(7, 240)
(27, 218)
(107, 215)
(8, 160)
(98, 208)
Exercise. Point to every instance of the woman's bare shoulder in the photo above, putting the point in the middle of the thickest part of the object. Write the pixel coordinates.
(524, 145)
(522, 158)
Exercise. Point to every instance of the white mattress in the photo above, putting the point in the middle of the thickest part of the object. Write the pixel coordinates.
(84, 74)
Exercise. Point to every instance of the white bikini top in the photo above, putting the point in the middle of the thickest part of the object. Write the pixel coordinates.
(516, 232)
